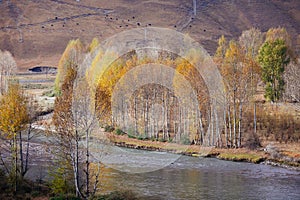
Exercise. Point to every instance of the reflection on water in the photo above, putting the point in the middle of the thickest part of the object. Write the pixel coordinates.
(194, 178)
(204, 178)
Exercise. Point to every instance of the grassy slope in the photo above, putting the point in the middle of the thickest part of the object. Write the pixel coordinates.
(43, 46)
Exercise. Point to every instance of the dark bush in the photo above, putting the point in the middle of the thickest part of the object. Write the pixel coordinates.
(252, 142)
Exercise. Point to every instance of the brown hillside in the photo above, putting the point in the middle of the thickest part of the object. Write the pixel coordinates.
(37, 31)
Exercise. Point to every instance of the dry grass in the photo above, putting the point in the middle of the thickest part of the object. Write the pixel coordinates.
(291, 149)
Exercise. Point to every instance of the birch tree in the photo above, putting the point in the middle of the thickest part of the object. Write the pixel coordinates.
(7, 69)
(13, 120)
(74, 119)
(250, 42)
(67, 139)
(235, 71)
(72, 56)
(85, 120)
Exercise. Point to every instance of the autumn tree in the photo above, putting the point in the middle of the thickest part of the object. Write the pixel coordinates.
(85, 121)
(93, 46)
(13, 120)
(221, 50)
(74, 118)
(236, 75)
(72, 56)
(219, 59)
(63, 176)
(64, 126)
(235, 71)
(273, 58)
(7, 69)
(250, 42)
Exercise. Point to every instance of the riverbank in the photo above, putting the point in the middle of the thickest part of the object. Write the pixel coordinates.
(272, 153)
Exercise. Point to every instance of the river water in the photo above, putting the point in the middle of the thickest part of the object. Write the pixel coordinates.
(166, 176)
(202, 178)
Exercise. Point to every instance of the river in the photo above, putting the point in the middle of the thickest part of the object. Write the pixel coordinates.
(166, 176)
(205, 178)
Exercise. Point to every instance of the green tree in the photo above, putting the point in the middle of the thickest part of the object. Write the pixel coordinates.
(273, 58)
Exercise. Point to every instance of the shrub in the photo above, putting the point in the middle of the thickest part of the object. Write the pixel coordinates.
(162, 140)
(185, 140)
(36, 194)
(119, 132)
(61, 179)
(130, 135)
(108, 128)
(252, 142)
(142, 137)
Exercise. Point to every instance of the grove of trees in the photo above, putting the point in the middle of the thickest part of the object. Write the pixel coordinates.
(255, 58)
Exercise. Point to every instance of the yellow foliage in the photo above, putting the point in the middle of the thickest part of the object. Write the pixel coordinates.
(93, 46)
(13, 111)
(70, 57)
(222, 45)
(93, 72)
(278, 33)
(108, 76)
(62, 116)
